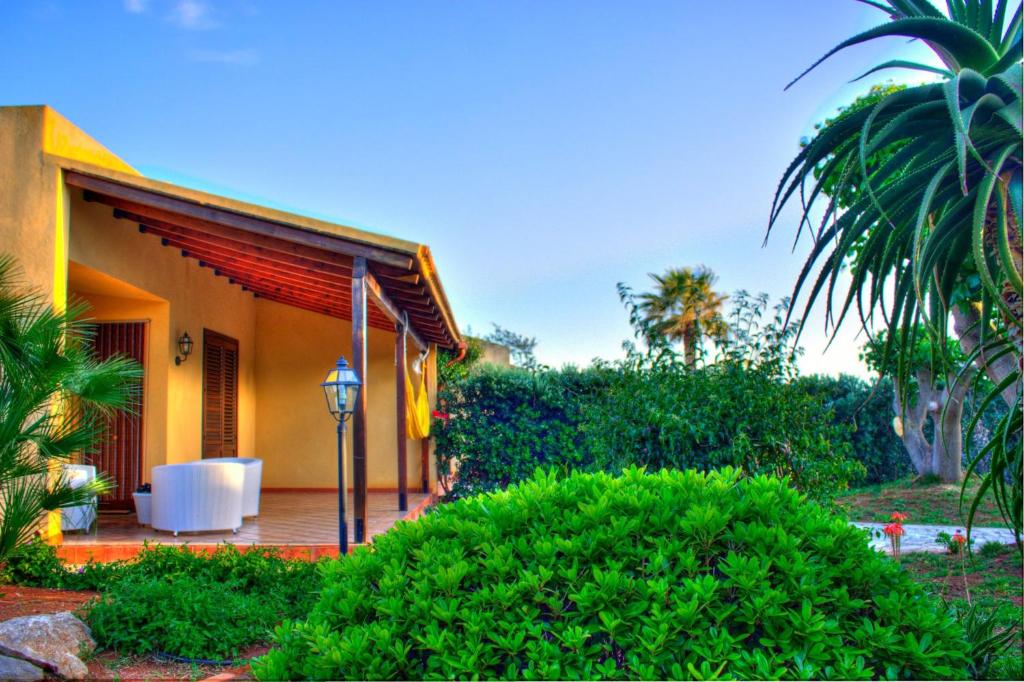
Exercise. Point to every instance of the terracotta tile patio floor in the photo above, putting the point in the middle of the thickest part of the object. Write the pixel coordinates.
(300, 523)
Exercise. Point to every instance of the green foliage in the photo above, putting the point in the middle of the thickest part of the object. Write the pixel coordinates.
(721, 415)
(450, 369)
(181, 615)
(170, 600)
(506, 422)
(46, 367)
(645, 576)
(986, 640)
(652, 410)
(864, 411)
(916, 202)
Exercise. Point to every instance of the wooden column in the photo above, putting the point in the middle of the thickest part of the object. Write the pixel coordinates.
(359, 363)
(403, 474)
(425, 465)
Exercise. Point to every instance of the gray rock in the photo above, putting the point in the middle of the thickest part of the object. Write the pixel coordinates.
(17, 669)
(51, 641)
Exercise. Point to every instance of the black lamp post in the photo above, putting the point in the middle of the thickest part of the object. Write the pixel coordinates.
(341, 388)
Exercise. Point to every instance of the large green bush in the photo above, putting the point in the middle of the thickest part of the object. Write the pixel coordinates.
(678, 574)
(503, 423)
(866, 410)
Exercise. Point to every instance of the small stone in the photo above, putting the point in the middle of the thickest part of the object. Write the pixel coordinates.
(17, 669)
(51, 641)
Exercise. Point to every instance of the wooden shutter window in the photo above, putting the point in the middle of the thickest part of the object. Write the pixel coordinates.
(220, 395)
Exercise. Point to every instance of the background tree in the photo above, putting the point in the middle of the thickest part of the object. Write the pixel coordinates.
(520, 347)
(934, 397)
(54, 400)
(930, 234)
(684, 307)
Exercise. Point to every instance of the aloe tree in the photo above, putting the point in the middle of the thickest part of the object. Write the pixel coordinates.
(933, 396)
(55, 397)
(684, 307)
(930, 232)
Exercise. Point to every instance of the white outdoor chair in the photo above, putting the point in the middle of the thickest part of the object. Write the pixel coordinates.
(250, 487)
(188, 498)
(83, 516)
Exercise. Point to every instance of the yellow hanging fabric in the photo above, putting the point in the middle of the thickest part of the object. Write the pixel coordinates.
(417, 407)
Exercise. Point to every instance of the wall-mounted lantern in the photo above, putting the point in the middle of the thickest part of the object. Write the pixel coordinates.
(185, 344)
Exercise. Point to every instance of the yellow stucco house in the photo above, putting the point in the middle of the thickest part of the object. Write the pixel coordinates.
(270, 300)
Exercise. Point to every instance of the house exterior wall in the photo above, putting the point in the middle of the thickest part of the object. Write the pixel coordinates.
(295, 435)
(284, 352)
(197, 300)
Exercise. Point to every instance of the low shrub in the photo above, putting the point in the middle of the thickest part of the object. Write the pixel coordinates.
(678, 574)
(182, 615)
(173, 601)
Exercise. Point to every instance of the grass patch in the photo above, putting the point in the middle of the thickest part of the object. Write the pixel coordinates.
(994, 578)
(922, 500)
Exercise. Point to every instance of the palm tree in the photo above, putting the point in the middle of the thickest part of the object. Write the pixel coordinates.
(684, 307)
(54, 400)
(918, 197)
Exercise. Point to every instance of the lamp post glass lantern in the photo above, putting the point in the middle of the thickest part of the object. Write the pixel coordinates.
(341, 387)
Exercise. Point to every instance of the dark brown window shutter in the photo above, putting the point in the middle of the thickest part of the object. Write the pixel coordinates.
(220, 395)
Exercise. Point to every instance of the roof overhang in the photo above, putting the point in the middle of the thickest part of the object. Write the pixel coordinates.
(280, 256)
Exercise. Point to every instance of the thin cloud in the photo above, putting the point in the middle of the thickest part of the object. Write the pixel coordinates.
(135, 6)
(231, 57)
(193, 15)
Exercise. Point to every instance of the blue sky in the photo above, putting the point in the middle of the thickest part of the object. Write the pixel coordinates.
(544, 150)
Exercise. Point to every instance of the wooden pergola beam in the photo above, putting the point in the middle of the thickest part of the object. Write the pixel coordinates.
(396, 314)
(253, 225)
(237, 260)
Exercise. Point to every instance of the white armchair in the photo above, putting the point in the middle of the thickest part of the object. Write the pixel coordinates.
(189, 498)
(252, 480)
(83, 516)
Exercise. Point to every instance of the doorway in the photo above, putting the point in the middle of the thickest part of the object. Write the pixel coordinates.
(119, 455)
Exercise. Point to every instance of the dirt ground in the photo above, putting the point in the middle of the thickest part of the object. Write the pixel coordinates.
(922, 501)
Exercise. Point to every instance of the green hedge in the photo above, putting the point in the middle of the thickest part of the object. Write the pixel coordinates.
(866, 408)
(644, 576)
(503, 423)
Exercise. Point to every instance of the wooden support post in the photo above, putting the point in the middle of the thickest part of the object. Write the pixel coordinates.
(403, 474)
(425, 465)
(359, 425)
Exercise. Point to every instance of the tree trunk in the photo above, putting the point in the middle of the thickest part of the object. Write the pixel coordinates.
(965, 325)
(690, 338)
(942, 455)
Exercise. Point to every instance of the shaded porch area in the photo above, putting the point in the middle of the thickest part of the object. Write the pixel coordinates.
(300, 524)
